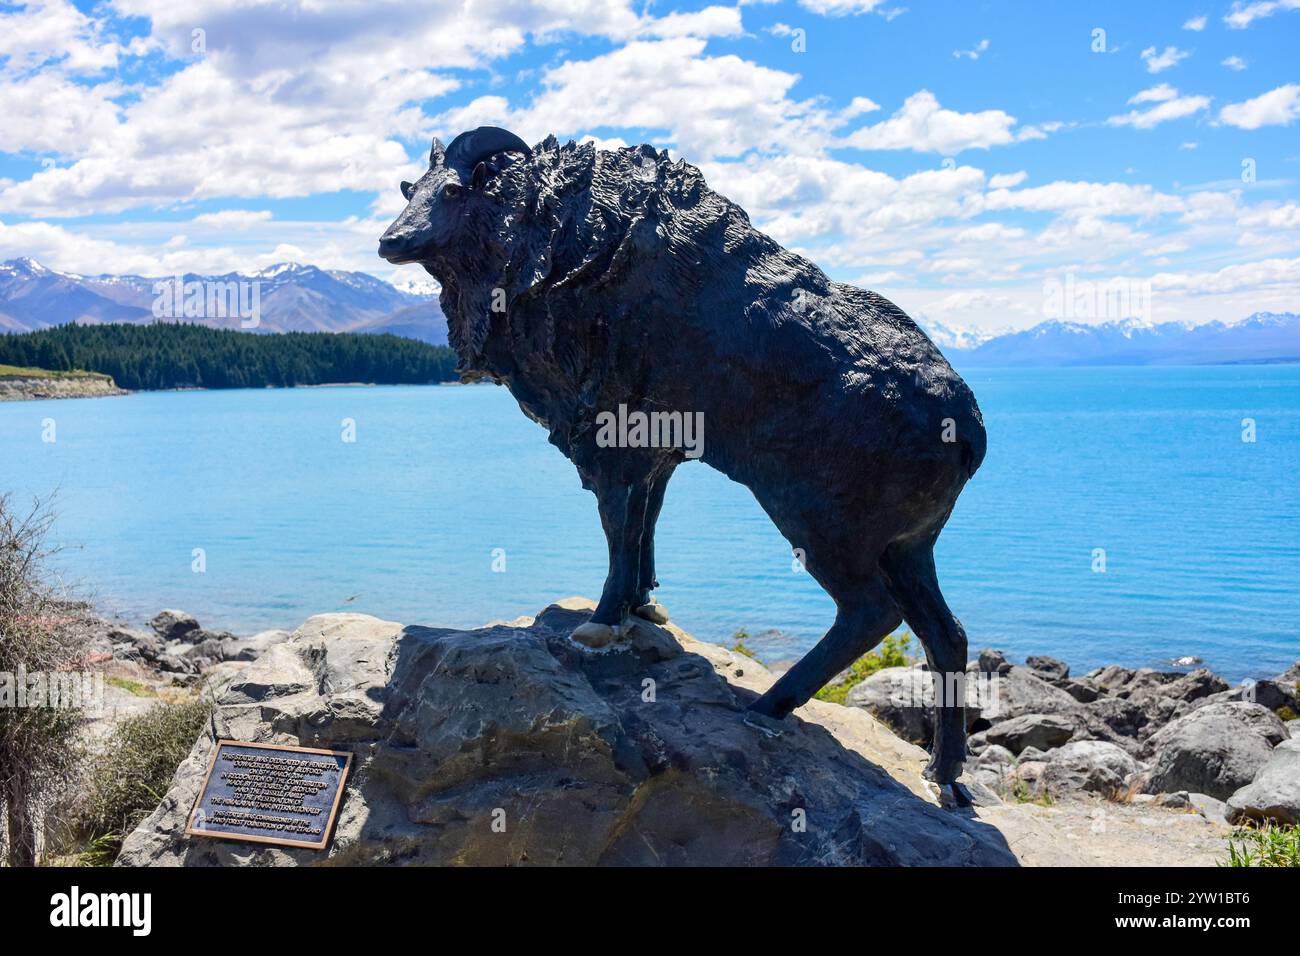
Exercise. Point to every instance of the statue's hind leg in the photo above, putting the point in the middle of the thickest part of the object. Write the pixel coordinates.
(912, 580)
(862, 622)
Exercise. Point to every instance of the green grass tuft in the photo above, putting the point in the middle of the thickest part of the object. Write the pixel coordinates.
(892, 653)
(1267, 845)
(739, 646)
(129, 780)
(133, 687)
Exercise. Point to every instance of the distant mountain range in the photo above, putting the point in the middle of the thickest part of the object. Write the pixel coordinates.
(1262, 337)
(304, 298)
(291, 298)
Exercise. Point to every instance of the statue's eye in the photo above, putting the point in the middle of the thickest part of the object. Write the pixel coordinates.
(451, 190)
(408, 189)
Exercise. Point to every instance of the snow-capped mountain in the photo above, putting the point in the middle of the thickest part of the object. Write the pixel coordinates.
(950, 337)
(1261, 337)
(290, 297)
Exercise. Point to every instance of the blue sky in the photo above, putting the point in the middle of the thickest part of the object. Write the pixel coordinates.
(956, 156)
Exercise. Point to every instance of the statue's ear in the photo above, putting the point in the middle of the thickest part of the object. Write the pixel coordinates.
(437, 153)
(479, 177)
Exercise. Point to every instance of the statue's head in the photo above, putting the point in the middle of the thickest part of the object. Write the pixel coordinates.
(444, 199)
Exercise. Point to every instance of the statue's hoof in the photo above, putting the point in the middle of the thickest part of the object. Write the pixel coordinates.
(592, 634)
(652, 612)
(942, 772)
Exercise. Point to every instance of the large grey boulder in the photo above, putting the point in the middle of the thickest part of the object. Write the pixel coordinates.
(205, 652)
(1252, 718)
(1050, 669)
(1150, 699)
(1216, 749)
(902, 698)
(639, 754)
(896, 697)
(1112, 677)
(1020, 691)
(251, 648)
(135, 645)
(1042, 731)
(1193, 685)
(1092, 766)
(1083, 689)
(1121, 715)
(1273, 694)
(173, 625)
(992, 661)
(1274, 794)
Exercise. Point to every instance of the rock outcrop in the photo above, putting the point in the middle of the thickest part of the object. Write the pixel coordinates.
(1088, 766)
(19, 387)
(1274, 794)
(513, 745)
(1215, 750)
(180, 646)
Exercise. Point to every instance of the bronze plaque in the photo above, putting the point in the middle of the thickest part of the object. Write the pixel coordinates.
(270, 793)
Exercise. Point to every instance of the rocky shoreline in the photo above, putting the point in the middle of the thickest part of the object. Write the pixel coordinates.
(1125, 761)
(177, 646)
(1177, 738)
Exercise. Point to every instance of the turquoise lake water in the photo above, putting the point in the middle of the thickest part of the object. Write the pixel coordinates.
(1201, 530)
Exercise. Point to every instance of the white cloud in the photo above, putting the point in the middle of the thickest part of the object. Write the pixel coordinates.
(973, 53)
(988, 232)
(709, 105)
(1244, 14)
(1195, 24)
(1078, 199)
(205, 134)
(1007, 180)
(1169, 106)
(1154, 94)
(858, 106)
(1275, 108)
(233, 218)
(924, 126)
(841, 8)
(53, 32)
(1233, 63)
(71, 119)
(1286, 216)
(1158, 62)
(1249, 276)
(273, 106)
(709, 22)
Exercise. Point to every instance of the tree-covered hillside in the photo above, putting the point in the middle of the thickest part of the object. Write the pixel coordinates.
(180, 355)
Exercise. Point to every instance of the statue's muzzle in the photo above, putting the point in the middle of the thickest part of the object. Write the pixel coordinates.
(401, 246)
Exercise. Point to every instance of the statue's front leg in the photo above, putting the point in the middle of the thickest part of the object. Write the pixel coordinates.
(622, 502)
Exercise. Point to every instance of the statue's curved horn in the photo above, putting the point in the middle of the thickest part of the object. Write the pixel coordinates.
(472, 147)
(437, 153)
